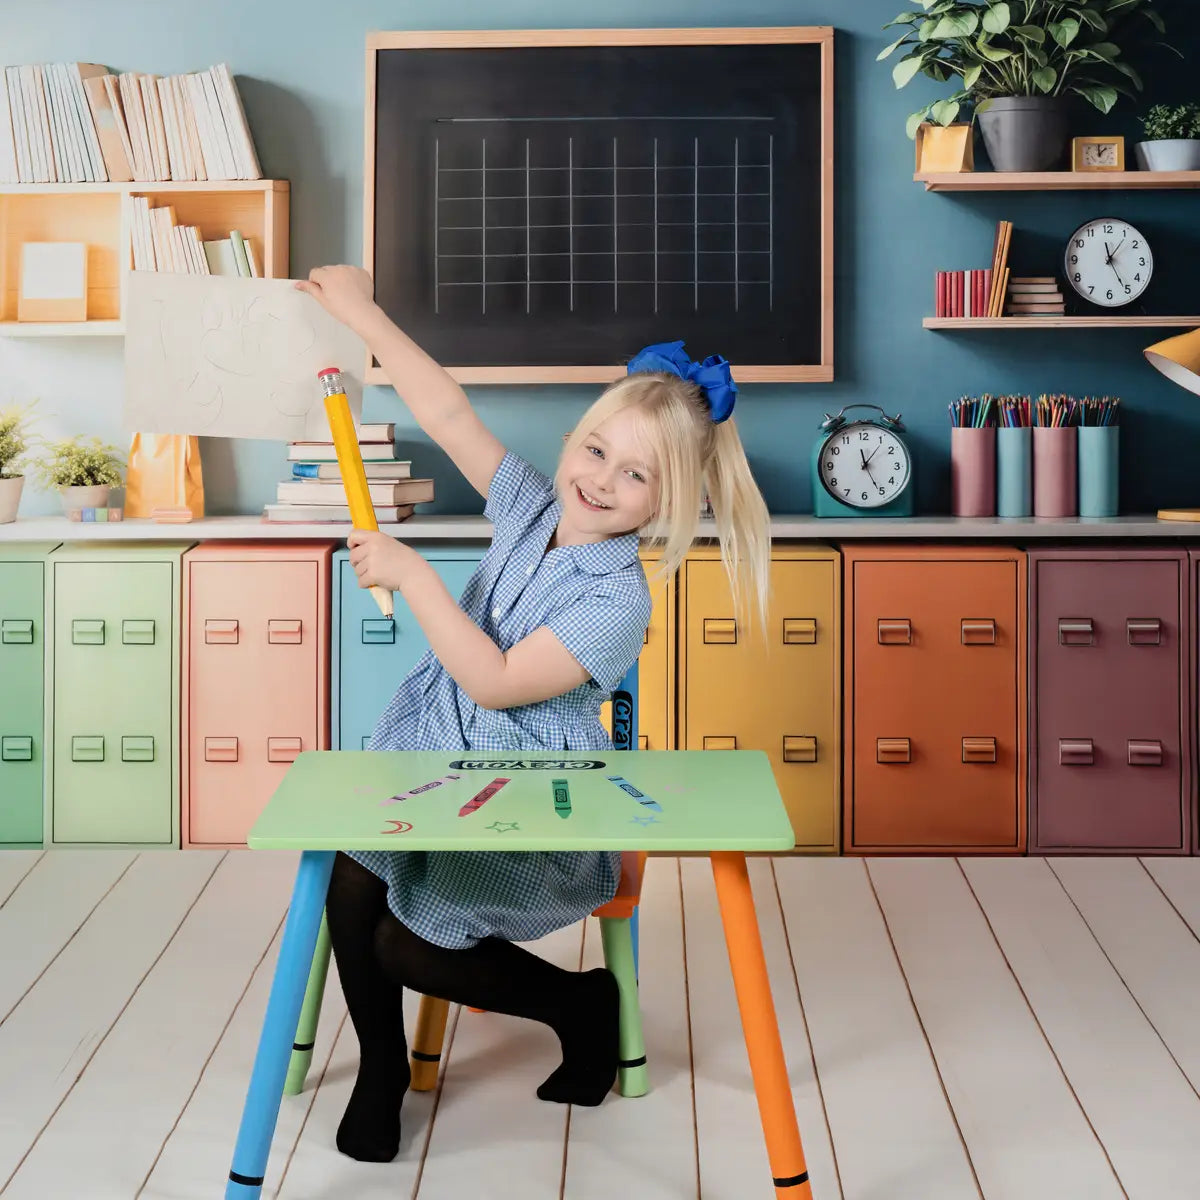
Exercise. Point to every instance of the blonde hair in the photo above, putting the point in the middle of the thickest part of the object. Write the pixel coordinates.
(693, 455)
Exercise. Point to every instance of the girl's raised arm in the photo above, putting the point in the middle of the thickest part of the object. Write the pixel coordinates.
(440, 406)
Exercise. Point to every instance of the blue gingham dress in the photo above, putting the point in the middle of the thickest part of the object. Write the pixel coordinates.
(596, 600)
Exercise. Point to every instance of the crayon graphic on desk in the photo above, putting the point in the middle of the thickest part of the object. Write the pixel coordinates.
(481, 797)
(562, 797)
(640, 797)
(354, 478)
(417, 791)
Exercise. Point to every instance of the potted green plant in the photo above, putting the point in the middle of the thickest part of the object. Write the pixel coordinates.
(1172, 133)
(1017, 62)
(14, 445)
(83, 470)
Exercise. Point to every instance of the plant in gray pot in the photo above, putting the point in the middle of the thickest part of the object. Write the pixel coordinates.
(1172, 138)
(1018, 63)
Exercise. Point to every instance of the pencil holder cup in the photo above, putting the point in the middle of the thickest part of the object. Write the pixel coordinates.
(973, 470)
(1014, 471)
(1098, 461)
(1054, 461)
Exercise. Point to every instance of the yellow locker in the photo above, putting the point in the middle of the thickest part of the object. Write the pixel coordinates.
(780, 693)
(656, 670)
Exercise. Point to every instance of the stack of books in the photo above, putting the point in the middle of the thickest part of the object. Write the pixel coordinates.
(1034, 296)
(80, 123)
(158, 244)
(315, 492)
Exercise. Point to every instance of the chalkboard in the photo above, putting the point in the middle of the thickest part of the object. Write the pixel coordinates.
(540, 211)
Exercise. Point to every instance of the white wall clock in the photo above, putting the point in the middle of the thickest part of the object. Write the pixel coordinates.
(1108, 262)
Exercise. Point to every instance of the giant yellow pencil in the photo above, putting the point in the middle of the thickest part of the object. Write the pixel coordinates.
(354, 478)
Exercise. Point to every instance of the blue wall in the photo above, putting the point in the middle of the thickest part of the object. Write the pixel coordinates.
(300, 64)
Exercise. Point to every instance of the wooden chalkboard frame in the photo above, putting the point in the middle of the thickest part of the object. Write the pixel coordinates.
(815, 372)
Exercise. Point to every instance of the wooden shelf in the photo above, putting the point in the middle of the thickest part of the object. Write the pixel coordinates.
(1056, 181)
(137, 188)
(32, 329)
(1057, 322)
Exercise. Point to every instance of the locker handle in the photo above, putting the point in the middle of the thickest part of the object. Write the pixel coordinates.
(1143, 631)
(16, 749)
(87, 748)
(1076, 752)
(14, 632)
(284, 630)
(220, 632)
(220, 749)
(87, 632)
(799, 630)
(720, 631)
(137, 749)
(799, 748)
(646, 637)
(893, 750)
(979, 749)
(643, 744)
(283, 749)
(978, 633)
(1144, 752)
(378, 631)
(719, 743)
(894, 633)
(1075, 631)
(137, 632)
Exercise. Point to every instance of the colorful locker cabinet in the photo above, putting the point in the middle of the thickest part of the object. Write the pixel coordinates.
(371, 653)
(255, 678)
(935, 699)
(739, 690)
(22, 693)
(1109, 743)
(112, 677)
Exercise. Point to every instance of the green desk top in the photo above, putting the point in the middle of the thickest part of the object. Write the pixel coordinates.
(686, 800)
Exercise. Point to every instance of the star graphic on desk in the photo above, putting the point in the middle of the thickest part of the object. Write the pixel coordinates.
(645, 821)
(503, 826)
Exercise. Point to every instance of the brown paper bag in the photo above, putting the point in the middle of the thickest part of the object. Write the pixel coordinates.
(164, 472)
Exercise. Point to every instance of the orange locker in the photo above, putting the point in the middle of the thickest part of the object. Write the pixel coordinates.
(255, 678)
(779, 692)
(935, 699)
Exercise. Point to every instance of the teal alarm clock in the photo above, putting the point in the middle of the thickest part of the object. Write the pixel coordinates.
(863, 467)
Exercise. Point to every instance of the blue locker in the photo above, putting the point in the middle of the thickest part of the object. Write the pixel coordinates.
(372, 654)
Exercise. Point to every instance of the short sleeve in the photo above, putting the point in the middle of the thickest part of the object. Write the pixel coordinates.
(605, 627)
(514, 487)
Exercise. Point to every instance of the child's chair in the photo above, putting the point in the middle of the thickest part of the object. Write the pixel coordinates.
(618, 933)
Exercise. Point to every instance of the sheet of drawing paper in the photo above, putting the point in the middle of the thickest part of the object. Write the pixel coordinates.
(232, 357)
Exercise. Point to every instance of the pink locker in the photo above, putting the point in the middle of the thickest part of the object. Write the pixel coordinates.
(255, 678)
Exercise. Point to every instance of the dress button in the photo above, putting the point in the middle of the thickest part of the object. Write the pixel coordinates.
(530, 570)
(495, 614)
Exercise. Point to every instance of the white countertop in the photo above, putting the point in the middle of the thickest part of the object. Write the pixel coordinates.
(470, 527)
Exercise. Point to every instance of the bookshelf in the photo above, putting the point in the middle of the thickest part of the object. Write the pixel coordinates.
(1053, 322)
(100, 215)
(1055, 181)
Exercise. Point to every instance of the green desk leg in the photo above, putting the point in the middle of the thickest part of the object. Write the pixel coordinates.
(306, 1031)
(618, 957)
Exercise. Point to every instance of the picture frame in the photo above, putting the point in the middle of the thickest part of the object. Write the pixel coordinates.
(1100, 153)
(53, 282)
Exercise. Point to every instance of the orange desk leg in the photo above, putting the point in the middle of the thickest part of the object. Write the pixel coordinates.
(759, 1024)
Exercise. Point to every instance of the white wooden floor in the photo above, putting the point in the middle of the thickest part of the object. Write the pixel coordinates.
(1013, 1029)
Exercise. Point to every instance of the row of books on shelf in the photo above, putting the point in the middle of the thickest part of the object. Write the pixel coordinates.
(315, 492)
(158, 244)
(81, 123)
(968, 294)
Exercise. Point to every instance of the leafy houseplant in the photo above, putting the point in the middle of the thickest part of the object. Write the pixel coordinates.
(1017, 62)
(1172, 135)
(14, 444)
(83, 470)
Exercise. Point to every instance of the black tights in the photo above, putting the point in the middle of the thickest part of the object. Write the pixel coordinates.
(377, 957)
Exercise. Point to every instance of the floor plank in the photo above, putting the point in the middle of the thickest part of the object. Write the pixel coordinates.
(493, 1139)
(1025, 1132)
(644, 1146)
(14, 866)
(52, 903)
(732, 1155)
(1179, 881)
(1149, 946)
(1143, 1109)
(125, 1100)
(48, 1041)
(893, 1132)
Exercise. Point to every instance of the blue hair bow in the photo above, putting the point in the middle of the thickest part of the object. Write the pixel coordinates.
(711, 376)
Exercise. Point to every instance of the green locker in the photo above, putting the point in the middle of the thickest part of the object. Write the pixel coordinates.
(112, 776)
(22, 692)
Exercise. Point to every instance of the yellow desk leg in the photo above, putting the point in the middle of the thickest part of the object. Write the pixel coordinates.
(761, 1029)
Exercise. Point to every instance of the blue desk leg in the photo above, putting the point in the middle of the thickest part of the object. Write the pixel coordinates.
(263, 1097)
